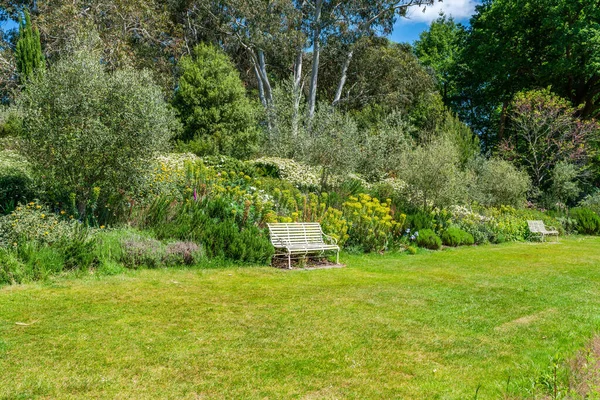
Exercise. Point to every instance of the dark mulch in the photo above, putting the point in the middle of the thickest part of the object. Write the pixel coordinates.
(305, 263)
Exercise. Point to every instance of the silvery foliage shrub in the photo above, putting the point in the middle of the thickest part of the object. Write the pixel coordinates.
(565, 186)
(85, 127)
(383, 147)
(329, 140)
(592, 201)
(286, 134)
(433, 176)
(16, 181)
(332, 143)
(499, 182)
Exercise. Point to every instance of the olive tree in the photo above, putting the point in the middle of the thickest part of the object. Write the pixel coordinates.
(433, 175)
(91, 134)
(498, 182)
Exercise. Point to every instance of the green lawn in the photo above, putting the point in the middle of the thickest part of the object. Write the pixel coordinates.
(435, 325)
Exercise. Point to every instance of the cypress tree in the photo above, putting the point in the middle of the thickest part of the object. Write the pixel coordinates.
(29, 50)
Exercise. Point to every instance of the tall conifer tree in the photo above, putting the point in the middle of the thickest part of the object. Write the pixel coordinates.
(29, 50)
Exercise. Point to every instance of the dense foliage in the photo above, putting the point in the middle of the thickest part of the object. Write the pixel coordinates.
(283, 112)
(90, 134)
(217, 116)
(28, 52)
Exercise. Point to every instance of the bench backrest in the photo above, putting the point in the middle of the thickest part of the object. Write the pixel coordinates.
(295, 233)
(536, 226)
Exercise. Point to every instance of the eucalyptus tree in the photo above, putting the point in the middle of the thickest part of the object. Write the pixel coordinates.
(293, 29)
(350, 21)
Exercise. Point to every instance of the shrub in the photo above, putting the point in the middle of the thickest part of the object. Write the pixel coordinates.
(429, 240)
(78, 249)
(12, 270)
(499, 182)
(182, 253)
(420, 220)
(588, 221)
(332, 144)
(40, 260)
(223, 231)
(92, 134)
(371, 224)
(300, 175)
(564, 187)
(592, 201)
(139, 251)
(218, 118)
(433, 175)
(457, 237)
(34, 223)
(382, 149)
(16, 181)
(412, 249)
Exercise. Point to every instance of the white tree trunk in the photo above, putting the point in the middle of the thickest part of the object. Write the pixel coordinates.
(312, 95)
(343, 77)
(261, 87)
(265, 78)
(297, 92)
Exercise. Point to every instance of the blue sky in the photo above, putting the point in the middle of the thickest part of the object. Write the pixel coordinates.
(419, 19)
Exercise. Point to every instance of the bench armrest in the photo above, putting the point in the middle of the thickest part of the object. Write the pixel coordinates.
(331, 238)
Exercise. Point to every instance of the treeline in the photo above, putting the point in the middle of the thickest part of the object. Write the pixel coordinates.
(318, 82)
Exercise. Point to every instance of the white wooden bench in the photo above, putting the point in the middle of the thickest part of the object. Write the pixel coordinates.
(539, 228)
(301, 239)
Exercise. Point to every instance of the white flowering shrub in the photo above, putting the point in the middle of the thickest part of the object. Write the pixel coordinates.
(300, 175)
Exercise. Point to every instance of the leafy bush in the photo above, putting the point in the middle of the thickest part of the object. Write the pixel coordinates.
(332, 144)
(34, 223)
(457, 237)
(300, 175)
(383, 146)
(429, 240)
(12, 270)
(420, 220)
(41, 260)
(592, 201)
(11, 122)
(564, 187)
(78, 249)
(91, 133)
(588, 221)
(223, 231)
(432, 173)
(218, 118)
(16, 181)
(499, 183)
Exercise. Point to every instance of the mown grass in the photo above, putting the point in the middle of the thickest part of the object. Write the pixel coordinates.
(478, 322)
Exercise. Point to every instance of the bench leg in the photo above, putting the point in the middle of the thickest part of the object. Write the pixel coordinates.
(289, 260)
(337, 257)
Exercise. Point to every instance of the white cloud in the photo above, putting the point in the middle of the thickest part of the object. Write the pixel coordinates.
(459, 9)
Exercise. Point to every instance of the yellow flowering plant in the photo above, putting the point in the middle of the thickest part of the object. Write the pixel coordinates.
(371, 223)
